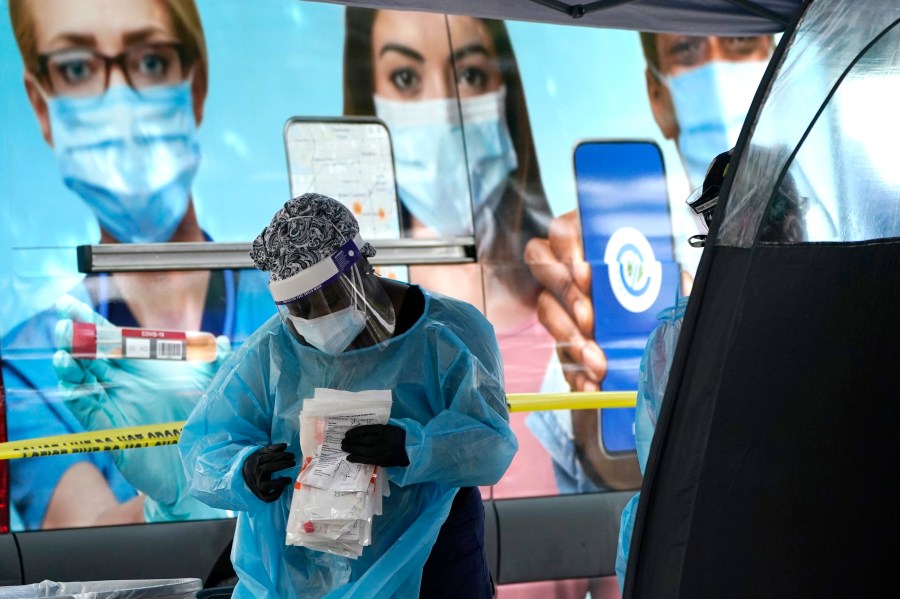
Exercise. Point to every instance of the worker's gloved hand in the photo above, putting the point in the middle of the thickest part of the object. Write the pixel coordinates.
(377, 444)
(114, 393)
(259, 467)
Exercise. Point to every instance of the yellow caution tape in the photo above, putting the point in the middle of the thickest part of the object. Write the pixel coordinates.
(153, 435)
(574, 400)
(150, 435)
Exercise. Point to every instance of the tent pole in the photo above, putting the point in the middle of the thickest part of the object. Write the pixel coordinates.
(762, 11)
(576, 11)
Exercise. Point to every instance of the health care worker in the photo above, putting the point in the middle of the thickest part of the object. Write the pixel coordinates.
(783, 222)
(343, 327)
(656, 361)
(118, 90)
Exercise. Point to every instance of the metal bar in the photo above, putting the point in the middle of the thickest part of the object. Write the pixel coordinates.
(144, 257)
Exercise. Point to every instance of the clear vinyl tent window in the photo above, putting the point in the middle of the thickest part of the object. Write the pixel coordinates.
(819, 155)
(853, 191)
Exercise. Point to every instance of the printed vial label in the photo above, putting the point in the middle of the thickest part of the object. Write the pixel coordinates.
(153, 345)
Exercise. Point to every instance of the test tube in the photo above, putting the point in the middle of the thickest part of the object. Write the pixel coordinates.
(91, 341)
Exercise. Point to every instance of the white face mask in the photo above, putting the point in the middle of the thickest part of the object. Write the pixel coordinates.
(436, 158)
(131, 157)
(333, 332)
(711, 104)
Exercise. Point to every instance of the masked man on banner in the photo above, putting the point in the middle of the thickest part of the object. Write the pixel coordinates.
(700, 89)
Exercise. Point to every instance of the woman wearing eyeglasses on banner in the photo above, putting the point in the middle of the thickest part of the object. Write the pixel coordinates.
(118, 88)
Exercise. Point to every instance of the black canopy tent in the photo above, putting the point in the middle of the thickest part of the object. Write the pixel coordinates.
(770, 472)
(708, 17)
(771, 469)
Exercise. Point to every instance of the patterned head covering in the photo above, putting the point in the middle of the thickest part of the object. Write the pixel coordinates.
(305, 231)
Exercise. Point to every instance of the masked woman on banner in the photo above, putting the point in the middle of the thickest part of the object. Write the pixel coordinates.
(118, 91)
(449, 90)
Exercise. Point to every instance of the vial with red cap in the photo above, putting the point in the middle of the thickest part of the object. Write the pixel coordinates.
(91, 341)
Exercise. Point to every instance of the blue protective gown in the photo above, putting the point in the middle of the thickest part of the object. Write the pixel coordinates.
(652, 380)
(238, 302)
(446, 377)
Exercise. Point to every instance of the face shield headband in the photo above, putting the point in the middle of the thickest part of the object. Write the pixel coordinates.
(321, 274)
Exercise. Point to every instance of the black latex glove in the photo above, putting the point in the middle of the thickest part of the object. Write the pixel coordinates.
(378, 444)
(259, 467)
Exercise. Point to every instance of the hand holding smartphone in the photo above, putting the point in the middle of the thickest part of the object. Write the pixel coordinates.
(627, 235)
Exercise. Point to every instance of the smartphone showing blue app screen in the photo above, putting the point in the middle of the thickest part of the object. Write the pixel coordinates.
(627, 229)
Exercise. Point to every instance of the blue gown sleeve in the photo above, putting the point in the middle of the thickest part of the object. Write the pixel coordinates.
(652, 380)
(232, 420)
(626, 526)
(469, 441)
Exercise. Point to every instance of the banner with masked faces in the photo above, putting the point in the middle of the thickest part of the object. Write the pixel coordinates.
(483, 116)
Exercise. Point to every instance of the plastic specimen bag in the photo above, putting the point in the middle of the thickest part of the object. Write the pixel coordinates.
(335, 500)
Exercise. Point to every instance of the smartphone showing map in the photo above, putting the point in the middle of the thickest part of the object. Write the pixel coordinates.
(350, 160)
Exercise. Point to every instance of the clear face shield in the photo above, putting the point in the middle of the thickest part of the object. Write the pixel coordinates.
(336, 304)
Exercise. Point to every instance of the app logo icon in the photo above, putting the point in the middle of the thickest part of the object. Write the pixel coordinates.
(634, 273)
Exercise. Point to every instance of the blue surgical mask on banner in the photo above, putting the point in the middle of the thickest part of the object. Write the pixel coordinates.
(711, 103)
(131, 157)
(435, 164)
(331, 333)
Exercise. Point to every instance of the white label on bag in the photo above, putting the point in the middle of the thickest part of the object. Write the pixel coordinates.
(330, 469)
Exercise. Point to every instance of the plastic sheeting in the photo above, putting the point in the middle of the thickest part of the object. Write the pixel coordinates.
(829, 129)
(179, 588)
